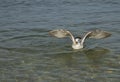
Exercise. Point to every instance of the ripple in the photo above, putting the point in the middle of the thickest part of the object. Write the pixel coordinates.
(22, 50)
(20, 37)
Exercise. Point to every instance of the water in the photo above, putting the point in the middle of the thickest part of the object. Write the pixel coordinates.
(29, 54)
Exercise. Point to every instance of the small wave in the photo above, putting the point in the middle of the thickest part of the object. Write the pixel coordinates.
(21, 50)
(20, 37)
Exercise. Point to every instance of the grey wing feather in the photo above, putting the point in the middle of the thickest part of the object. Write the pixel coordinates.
(59, 33)
(99, 34)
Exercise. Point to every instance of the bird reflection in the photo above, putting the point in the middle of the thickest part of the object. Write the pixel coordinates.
(96, 55)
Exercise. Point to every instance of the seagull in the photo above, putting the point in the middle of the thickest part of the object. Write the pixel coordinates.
(78, 42)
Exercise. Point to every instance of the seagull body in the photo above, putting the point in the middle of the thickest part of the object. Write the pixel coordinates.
(78, 43)
(77, 46)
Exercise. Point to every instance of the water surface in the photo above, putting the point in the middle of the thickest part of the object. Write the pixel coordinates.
(29, 54)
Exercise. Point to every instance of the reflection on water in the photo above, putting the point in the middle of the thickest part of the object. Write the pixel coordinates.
(29, 54)
(96, 56)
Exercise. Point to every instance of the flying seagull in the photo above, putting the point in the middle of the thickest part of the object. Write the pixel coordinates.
(78, 42)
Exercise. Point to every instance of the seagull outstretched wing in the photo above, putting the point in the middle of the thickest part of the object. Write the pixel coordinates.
(59, 33)
(99, 34)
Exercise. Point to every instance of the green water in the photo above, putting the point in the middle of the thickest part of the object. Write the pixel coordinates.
(29, 54)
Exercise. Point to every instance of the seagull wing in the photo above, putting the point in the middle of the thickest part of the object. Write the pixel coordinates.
(99, 34)
(59, 33)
